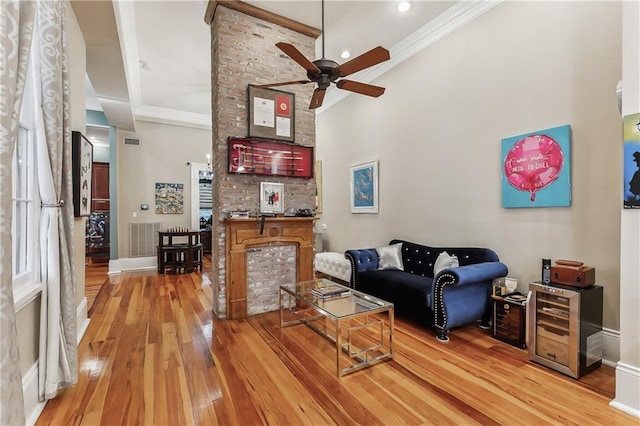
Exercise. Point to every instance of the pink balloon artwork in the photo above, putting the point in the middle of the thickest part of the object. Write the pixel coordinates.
(533, 163)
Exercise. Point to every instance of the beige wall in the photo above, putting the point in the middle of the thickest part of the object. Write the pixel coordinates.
(161, 157)
(521, 67)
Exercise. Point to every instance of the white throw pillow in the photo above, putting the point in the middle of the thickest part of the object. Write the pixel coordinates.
(390, 257)
(444, 261)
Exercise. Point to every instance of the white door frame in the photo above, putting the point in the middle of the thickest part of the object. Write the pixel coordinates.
(195, 193)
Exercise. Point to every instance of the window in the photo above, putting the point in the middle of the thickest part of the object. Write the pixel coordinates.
(26, 204)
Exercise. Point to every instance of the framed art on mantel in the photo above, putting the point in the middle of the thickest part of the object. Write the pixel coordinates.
(364, 187)
(82, 164)
(271, 114)
(271, 197)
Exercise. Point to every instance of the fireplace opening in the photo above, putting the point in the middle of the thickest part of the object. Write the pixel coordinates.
(268, 268)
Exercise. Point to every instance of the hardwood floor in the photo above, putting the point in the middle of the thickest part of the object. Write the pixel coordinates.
(95, 278)
(154, 354)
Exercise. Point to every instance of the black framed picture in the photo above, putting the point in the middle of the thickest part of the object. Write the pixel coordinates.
(82, 164)
(271, 114)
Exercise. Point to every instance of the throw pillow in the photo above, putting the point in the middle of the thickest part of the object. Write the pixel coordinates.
(390, 257)
(444, 261)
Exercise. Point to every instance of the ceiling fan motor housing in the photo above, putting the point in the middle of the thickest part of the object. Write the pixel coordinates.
(328, 72)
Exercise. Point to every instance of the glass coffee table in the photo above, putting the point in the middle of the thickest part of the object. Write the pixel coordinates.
(360, 325)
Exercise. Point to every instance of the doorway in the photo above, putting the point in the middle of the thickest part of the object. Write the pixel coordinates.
(97, 239)
(202, 203)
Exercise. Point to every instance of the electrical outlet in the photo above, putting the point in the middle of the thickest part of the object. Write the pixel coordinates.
(323, 226)
(134, 214)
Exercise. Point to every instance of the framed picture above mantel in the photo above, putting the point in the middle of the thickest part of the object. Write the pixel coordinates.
(271, 114)
(270, 158)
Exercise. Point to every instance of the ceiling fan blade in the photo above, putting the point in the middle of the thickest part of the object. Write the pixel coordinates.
(295, 54)
(317, 98)
(284, 83)
(366, 60)
(362, 88)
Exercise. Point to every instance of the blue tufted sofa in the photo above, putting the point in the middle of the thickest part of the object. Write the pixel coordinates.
(454, 297)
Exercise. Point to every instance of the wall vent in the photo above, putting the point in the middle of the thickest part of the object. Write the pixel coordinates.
(143, 239)
(132, 141)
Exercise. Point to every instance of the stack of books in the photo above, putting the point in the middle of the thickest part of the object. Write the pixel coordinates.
(329, 292)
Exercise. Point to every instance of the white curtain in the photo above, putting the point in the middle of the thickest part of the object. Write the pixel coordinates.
(16, 31)
(58, 334)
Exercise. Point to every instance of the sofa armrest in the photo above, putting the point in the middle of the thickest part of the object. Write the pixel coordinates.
(461, 295)
(474, 273)
(361, 260)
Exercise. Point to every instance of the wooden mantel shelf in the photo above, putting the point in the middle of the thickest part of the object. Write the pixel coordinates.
(243, 234)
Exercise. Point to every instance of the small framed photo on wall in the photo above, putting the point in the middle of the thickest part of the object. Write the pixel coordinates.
(271, 197)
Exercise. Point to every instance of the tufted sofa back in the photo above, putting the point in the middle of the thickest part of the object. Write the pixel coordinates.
(419, 259)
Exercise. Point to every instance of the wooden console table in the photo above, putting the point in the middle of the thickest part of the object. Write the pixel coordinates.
(179, 251)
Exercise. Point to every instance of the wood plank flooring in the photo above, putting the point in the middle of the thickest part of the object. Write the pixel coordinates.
(95, 278)
(155, 354)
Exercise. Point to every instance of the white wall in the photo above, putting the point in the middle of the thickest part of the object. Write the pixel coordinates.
(521, 67)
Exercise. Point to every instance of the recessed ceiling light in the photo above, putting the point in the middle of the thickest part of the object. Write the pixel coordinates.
(345, 54)
(403, 6)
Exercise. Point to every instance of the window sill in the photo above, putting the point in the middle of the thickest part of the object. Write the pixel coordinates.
(26, 294)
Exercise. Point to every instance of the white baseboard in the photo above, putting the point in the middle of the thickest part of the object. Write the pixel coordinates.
(132, 264)
(611, 347)
(627, 384)
(82, 319)
(32, 407)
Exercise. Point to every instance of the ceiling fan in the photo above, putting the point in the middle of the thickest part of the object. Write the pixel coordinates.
(325, 71)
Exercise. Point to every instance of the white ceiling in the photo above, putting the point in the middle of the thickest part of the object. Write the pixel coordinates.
(150, 60)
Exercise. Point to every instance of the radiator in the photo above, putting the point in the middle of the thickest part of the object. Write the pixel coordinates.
(143, 239)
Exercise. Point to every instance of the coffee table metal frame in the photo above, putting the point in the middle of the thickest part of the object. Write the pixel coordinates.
(367, 312)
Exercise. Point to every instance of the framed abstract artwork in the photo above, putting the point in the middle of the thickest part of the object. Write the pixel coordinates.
(82, 164)
(536, 169)
(169, 198)
(364, 187)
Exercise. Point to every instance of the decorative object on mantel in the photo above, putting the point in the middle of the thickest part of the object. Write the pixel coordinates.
(325, 71)
(271, 114)
(239, 214)
(536, 169)
(271, 197)
(364, 187)
(272, 158)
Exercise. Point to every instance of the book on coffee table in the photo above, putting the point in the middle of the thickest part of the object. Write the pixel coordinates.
(330, 292)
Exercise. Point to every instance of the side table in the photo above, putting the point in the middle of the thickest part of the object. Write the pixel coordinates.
(179, 251)
(509, 321)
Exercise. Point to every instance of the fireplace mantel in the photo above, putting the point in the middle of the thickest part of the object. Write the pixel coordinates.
(243, 234)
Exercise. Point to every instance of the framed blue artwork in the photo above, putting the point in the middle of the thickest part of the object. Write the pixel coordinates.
(364, 187)
(536, 169)
(631, 162)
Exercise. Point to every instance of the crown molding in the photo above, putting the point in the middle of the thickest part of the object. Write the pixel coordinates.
(452, 19)
(259, 13)
(173, 117)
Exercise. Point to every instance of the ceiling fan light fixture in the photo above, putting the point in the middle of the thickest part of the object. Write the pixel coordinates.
(345, 54)
(403, 6)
